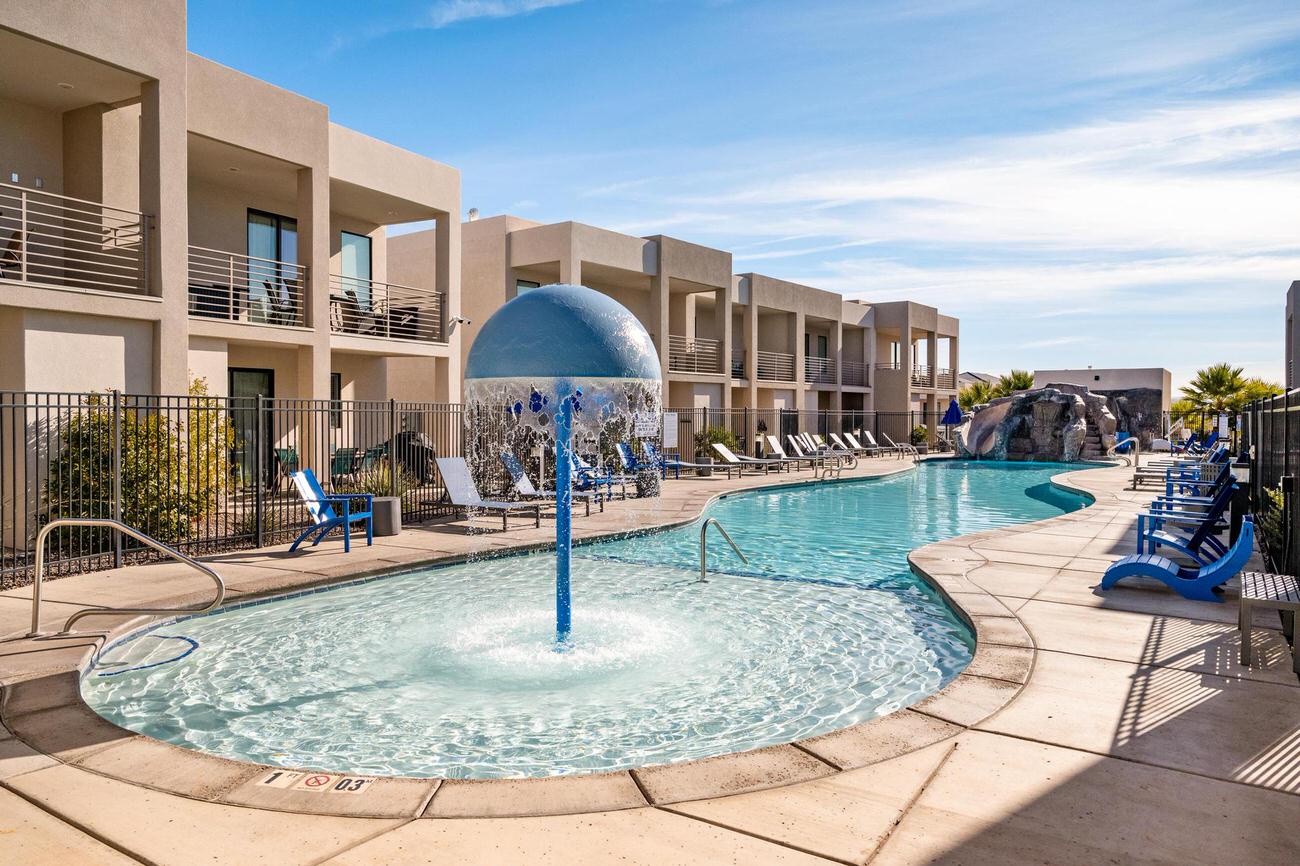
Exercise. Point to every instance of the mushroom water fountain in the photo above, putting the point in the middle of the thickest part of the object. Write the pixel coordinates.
(562, 360)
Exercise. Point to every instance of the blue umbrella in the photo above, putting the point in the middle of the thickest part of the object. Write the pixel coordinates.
(953, 415)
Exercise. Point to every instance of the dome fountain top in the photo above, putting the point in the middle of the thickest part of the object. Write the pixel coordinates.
(563, 332)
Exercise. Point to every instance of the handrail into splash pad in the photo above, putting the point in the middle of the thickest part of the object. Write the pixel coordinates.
(101, 611)
(704, 553)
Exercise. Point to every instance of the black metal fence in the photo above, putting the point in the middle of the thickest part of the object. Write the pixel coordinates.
(1269, 433)
(201, 473)
(208, 474)
(746, 424)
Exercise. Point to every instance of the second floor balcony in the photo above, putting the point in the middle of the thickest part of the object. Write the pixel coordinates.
(819, 370)
(922, 377)
(694, 355)
(57, 240)
(775, 366)
(946, 379)
(369, 308)
(241, 288)
(737, 363)
(853, 373)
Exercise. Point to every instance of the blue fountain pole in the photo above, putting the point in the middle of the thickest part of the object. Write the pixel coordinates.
(563, 516)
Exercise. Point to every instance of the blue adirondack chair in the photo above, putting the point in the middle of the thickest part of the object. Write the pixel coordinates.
(628, 458)
(1198, 584)
(1190, 532)
(324, 510)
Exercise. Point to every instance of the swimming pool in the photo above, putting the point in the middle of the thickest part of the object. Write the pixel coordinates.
(451, 671)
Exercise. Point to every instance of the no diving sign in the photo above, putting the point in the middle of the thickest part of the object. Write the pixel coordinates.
(324, 783)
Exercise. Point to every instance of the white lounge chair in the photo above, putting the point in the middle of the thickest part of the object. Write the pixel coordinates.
(905, 449)
(526, 490)
(872, 450)
(871, 441)
(763, 463)
(464, 494)
(851, 449)
(774, 445)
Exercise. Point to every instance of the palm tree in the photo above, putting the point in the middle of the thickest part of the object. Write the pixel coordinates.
(974, 394)
(1016, 380)
(1219, 389)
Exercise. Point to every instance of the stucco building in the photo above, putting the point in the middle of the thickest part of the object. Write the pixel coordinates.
(163, 217)
(726, 341)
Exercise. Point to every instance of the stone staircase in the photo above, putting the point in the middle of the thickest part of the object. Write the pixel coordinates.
(1091, 442)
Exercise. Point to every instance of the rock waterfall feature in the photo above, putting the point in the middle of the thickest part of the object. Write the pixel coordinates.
(1058, 422)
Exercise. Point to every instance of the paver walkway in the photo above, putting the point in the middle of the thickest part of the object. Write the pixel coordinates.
(1136, 737)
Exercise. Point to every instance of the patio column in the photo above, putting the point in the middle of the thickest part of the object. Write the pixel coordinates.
(722, 328)
(314, 254)
(447, 282)
(658, 324)
(164, 185)
(932, 355)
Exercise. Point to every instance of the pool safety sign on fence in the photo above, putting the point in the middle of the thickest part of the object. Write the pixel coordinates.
(323, 783)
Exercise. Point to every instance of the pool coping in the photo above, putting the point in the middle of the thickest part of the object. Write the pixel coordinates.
(50, 716)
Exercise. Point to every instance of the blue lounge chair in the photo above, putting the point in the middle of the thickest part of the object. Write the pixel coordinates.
(325, 517)
(1198, 584)
(527, 490)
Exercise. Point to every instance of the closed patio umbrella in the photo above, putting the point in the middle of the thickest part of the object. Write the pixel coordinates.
(952, 417)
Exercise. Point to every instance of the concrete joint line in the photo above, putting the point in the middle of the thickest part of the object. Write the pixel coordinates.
(912, 801)
(78, 826)
(370, 837)
(712, 823)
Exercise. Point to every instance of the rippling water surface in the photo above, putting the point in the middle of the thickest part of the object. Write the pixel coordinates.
(451, 671)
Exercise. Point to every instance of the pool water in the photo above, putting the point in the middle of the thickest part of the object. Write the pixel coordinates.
(452, 671)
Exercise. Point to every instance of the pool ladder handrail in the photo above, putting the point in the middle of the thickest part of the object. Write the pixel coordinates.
(704, 552)
(118, 525)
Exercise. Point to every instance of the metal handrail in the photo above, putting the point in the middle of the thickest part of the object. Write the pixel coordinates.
(101, 611)
(704, 532)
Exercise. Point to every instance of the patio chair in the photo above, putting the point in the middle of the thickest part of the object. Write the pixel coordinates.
(524, 485)
(587, 477)
(904, 450)
(1200, 583)
(774, 445)
(892, 447)
(324, 511)
(677, 466)
(286, 462)
(464, 494)
(343, 464)
(1192, 533)
(872, 450)
(842, 445)
(766, 464)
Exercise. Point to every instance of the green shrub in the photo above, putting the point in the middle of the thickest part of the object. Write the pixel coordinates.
(1270, 522)
(174, 473)
(920, 435)
(705, 439)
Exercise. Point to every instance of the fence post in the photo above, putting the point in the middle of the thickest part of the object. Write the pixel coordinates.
(392, 446)
(117, 475)
(259, 471)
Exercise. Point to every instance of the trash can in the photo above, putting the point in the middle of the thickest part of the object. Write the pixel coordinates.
(387, 516)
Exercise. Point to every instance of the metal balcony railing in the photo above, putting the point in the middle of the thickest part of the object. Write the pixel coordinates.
(241, 288)
(889, 365)
(63, 241)
(921, 377)
(819, 370)
(737, 363)
(946, 379)
(368, 308)
(853, 373)
(775, 366)
(694, 355)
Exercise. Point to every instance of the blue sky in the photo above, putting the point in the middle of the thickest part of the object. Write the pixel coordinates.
(1097, 183)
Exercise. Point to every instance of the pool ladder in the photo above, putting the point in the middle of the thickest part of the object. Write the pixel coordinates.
(704, 551)
(121, 527)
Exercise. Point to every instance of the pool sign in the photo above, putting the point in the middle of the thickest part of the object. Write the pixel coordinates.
(330, 783)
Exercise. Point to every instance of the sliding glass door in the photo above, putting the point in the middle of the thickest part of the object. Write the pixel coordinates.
(273, 292)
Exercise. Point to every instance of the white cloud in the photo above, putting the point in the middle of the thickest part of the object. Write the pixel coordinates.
(448, 12)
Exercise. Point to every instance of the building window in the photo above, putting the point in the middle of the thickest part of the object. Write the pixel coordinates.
(355, 268)
(272, 288)
(522, 286)
(336, 398)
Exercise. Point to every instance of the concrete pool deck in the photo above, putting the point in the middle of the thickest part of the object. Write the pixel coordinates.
(1089, 728)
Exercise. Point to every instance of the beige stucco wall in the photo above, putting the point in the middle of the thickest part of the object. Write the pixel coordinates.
(71, 352)
(1111, 379)
(31, 144)
(209, 360)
